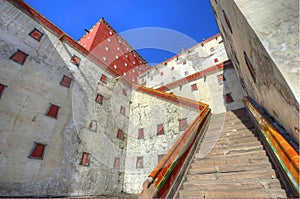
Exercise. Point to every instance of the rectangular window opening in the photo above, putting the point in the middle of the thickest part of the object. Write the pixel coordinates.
(160, 129)
(141, 133)
(124, 92)
(120, 134)
(194, 87)
(37, 151)
(103, 79)
(36, 34)
(19, 57)
(139, 162)
(117, 163)
(65, 81)
(75, 60)
(85, 159)
(183, 124)
(99, 98)
(93, 125)
(228, 98)
(53, 111)
(122, 110)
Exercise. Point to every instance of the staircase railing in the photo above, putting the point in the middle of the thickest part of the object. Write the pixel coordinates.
(282, 153)
(165, 179)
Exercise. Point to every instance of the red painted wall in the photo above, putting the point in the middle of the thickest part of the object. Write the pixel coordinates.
(105, 43)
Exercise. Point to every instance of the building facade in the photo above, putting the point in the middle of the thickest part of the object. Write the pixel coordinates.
(92, 118)
(263, 45)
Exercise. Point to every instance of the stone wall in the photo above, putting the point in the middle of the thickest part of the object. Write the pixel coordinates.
(197, 58)
(147, 112)
(212, 91)
(266, 33)
(82, 124)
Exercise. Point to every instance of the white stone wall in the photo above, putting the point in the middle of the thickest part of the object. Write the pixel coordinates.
(147, 112)
(211, 92)
(268, 32)
(188, 62)
(23, 105)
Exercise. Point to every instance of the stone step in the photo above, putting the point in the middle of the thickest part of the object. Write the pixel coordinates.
(263, 173)
(254, 193)
(244, 139)
(236, 144)
(203, 169)
(236, 135)
(231, 185)
(238, 128)
(235, 150)
(250, 157)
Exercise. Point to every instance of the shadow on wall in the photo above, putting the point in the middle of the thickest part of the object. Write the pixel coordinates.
(39, 143)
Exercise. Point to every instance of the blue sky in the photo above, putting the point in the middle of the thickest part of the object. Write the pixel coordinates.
(193, 18)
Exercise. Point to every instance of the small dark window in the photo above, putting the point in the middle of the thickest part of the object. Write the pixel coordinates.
(53, 111)
(186, 73)
(183, 124)
(184, 62)
(37, 151)
(141, 133)
(124, 92)
(194, 87)
(250, 67)
(117, 163)
(159, 157)
(99, 98)
(172, 68)
(160, 129)
(66, 81)
(162, 73)
(139, 162)
(221, 78)
(120, 134)
(122, 110)
(36, 34)
(227, 21)
(85, 159)
(19, 57)
(2, 88)
(212, 49)
(93, 125)
(228, 98)
(75, 60)
(103, 79)
(216, 60)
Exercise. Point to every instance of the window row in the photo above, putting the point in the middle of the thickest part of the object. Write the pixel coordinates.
(160, 128)
(38, 151)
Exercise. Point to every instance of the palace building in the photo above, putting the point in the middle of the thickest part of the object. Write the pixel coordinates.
(93, 118)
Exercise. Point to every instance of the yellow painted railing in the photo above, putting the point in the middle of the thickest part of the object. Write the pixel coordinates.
(283, 150)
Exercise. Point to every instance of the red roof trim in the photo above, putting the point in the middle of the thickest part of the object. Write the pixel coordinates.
(59, 33)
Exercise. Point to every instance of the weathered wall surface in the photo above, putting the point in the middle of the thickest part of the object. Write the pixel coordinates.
(212, 91)
(25, 101)
(267, 32)
(188, 62)
(147, 112)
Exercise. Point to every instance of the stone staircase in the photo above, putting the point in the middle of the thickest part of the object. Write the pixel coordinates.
(235, 166)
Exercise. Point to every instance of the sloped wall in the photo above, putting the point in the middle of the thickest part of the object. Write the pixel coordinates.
(266, 33)
(147, 112)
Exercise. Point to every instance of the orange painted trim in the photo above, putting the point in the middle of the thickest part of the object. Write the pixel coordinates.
(59, 33)
(286, 152)
(164, 165)
(195, 76)
(171, 97)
